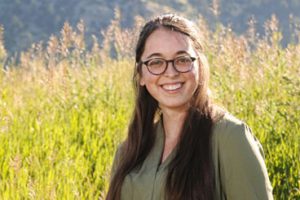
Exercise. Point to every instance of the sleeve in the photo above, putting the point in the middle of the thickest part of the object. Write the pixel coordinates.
(242, 168)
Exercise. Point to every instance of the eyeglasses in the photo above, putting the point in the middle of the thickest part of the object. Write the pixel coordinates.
(158, 66)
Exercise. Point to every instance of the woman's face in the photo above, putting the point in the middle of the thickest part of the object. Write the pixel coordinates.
(172, 89)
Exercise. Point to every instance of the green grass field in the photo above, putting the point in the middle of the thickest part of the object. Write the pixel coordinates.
(64, 109)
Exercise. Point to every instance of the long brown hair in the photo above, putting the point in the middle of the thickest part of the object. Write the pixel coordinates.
(190, 173)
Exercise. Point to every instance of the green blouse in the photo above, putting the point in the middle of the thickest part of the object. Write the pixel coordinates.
(240, 171)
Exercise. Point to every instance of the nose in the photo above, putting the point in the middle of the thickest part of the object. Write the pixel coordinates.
(171, 71)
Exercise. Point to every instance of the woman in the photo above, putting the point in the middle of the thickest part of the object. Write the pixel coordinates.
(179, 145)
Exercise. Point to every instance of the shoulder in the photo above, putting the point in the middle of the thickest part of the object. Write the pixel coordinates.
(231, 133)
(228, 120)
(239, 160)
(233, 139)
(118, 156)
(228, 126)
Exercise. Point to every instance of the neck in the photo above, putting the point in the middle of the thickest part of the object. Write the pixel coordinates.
(173, 122)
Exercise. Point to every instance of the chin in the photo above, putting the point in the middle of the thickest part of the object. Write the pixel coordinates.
(174, 105)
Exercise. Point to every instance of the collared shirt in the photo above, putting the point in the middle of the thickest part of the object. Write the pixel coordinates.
(240, 171)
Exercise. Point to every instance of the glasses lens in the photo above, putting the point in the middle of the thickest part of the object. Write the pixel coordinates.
(183, 64)
(156, 66)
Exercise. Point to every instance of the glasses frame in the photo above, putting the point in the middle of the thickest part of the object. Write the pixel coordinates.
(166, 62)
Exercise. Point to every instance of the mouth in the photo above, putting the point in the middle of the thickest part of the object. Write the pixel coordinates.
(172, 86)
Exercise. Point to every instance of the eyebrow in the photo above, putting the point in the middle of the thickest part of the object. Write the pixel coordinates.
(160, 55)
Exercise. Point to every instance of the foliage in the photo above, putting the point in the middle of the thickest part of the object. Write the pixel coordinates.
(64, 109)
(31, 21)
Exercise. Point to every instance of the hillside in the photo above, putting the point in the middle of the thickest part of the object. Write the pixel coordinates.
(29, 21)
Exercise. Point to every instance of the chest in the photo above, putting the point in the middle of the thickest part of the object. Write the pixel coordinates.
(147, 184)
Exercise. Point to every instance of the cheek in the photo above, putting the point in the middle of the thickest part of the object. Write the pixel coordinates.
(146, 78)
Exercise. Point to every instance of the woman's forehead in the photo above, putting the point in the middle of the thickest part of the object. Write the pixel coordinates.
(165, 41)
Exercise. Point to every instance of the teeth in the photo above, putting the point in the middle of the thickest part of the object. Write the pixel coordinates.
(172, 86)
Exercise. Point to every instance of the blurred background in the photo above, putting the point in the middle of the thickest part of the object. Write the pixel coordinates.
(30, 21)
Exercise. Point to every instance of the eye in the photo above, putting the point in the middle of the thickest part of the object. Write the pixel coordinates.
(155, 62)
(183, 60)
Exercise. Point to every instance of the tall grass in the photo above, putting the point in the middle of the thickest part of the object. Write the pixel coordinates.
(64, 108)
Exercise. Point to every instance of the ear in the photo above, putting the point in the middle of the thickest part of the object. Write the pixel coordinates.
(142, 81)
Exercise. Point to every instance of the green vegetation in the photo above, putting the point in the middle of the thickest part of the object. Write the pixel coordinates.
(64, 109)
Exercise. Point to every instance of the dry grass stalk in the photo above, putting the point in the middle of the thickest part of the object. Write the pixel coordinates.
(3, 53)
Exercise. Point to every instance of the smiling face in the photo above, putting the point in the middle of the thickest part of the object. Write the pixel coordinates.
(172, 89)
